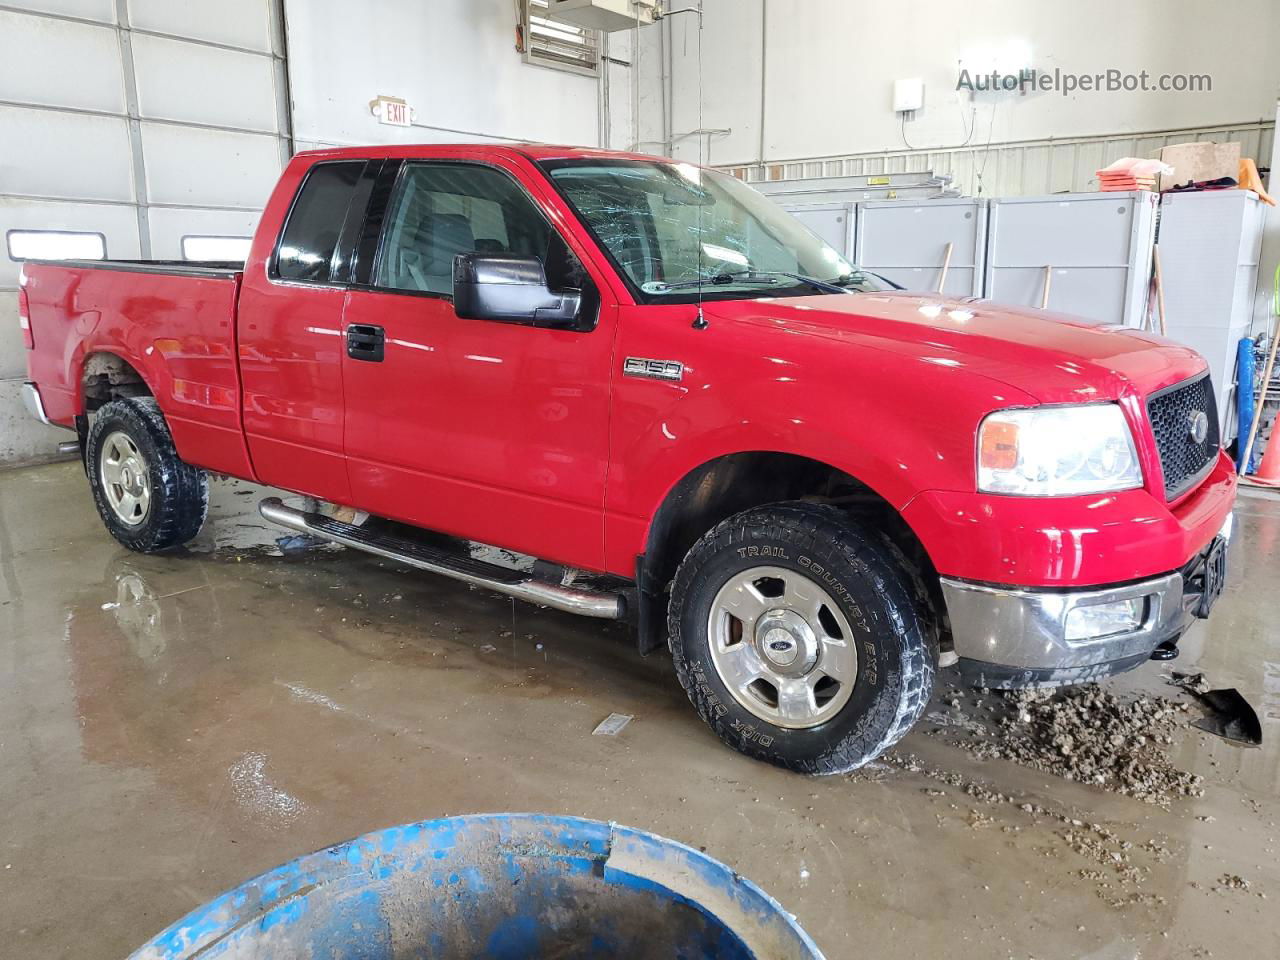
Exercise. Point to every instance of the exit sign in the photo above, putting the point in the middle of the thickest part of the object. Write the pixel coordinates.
(392, 110)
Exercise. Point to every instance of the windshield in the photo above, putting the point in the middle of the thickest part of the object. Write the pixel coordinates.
(674, 229)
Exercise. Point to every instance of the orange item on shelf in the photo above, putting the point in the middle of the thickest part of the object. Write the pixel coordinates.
(1250, 179)
(1130, 173)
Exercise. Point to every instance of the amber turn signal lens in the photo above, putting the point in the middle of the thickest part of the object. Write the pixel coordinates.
(999, 446)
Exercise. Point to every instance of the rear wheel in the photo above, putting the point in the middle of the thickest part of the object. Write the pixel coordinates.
(801, 637)
(148, 498)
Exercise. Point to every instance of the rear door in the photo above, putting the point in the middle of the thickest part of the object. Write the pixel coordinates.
(493, 431)
(290, 330)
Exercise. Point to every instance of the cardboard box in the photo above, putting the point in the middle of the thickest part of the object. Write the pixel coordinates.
(1200, 161)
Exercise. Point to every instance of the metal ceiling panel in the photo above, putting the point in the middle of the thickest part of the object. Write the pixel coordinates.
(238, 23)
(169, 226)
(35, 53)
(116, 222)
(103, 11)
(65, 155)
(215, 168)
(173, 84)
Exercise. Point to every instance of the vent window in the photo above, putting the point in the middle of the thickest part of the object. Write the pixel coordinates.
(554, 43)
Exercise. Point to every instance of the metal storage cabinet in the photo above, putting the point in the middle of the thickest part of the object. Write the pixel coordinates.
(907, 241)
(1097, 244)
(833, 222)
(1209, 247)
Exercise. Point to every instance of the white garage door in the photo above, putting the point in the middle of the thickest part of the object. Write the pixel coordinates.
(144, 122)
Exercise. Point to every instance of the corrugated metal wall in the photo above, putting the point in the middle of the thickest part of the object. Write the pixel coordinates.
(143, 120)
(1028, 168)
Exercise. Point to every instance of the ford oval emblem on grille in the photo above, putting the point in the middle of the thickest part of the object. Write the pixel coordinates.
(1198, 425)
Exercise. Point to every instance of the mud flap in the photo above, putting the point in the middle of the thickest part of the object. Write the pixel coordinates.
(650, 620)
(82, 436)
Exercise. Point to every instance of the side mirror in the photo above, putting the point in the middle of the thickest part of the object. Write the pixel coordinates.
(511, 289)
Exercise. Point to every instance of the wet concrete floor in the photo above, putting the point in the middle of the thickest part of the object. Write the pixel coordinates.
(172, 725)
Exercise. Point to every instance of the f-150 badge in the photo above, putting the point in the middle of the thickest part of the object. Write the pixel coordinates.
(653, 369)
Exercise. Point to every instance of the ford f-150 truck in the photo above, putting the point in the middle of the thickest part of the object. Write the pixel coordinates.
(690, 411)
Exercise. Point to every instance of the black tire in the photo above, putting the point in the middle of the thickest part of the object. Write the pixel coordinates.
(178, 492)
(883, 601)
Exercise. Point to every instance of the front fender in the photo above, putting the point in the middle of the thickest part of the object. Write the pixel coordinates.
(898, 425)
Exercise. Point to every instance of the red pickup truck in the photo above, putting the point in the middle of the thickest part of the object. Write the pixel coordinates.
(814, 487)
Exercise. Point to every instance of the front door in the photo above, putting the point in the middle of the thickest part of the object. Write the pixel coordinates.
(497, 432)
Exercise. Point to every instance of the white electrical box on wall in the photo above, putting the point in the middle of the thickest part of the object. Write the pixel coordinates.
(908, 95)
(606, 15)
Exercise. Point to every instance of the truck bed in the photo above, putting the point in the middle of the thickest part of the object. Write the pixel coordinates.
(171, 324)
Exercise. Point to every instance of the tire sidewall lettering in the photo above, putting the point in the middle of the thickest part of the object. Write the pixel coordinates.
(824, 577)
(763, 551)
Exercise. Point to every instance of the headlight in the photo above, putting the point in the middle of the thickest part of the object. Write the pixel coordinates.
(1057, 451)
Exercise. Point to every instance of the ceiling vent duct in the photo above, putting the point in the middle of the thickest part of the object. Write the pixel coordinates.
(606, 15)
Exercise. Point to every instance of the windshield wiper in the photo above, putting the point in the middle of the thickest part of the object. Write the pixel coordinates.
(719, 280)
(765, 277)
(847, 280)
(801, 278)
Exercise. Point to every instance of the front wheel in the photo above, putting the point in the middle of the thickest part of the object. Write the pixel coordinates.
(148, 498)
(801, 638)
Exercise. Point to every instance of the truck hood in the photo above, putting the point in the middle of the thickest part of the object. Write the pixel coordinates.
(1053, 357)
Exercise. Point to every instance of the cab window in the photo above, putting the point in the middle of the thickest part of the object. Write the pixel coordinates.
(440, 210)
(306, 251)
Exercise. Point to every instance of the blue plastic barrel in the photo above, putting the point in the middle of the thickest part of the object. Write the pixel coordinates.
(1244, 402)
(500, 886)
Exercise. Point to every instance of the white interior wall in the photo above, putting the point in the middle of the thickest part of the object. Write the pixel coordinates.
(830, 67)
(456, 64)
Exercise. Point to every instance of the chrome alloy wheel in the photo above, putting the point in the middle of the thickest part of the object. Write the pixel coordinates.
(126, 481)
(782, 647)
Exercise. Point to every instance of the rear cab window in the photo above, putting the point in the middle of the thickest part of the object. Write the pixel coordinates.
(310, 248)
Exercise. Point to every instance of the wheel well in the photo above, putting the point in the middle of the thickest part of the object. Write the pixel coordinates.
(108, 377)
(730, 484)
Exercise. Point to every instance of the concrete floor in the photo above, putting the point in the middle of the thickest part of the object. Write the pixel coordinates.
(170, 726)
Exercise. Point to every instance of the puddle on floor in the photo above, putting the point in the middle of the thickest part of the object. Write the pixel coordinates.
(177, 723)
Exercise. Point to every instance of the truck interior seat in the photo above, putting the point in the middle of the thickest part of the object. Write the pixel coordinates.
(428, 263)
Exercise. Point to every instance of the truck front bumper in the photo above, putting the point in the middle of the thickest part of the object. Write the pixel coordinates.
(1009, 636)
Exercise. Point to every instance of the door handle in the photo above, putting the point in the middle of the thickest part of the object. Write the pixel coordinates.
(365, 342)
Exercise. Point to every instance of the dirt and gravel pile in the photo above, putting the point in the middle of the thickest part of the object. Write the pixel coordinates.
(1117, 866)
(1231, 881)
(1092, 736)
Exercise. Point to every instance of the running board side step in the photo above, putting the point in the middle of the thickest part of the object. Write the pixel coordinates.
(512, 583)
